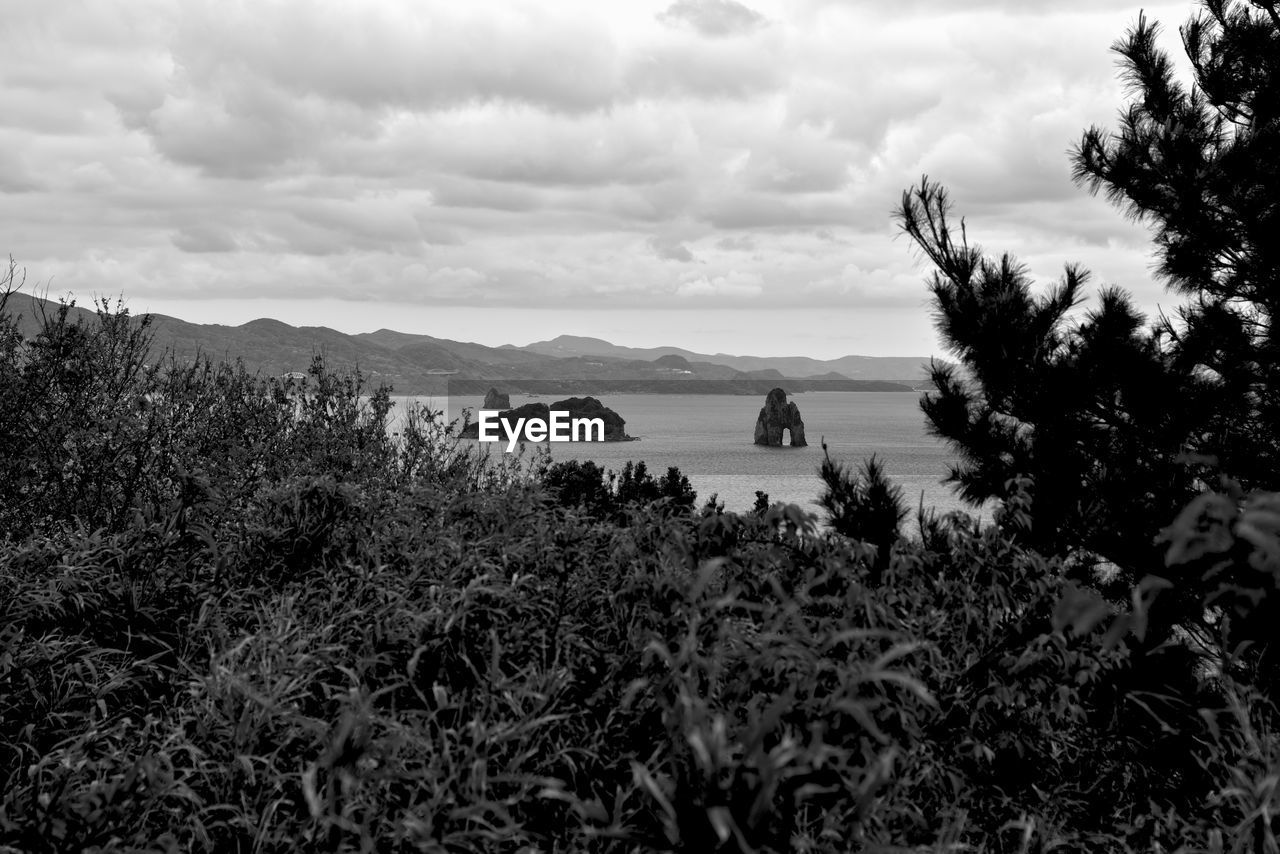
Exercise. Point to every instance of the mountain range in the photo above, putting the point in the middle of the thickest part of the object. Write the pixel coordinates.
(893, 368)
(422, 364)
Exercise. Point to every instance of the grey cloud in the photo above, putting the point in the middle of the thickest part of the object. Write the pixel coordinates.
(797, 164)
(671, 250)
(36, 110)
(16, 174)
(242, 103)
(451, 191)
(794, 213)
(525, 149)
(862, 113)
(733, 284)
(245, 148)
(370, 223)
(435, 232)
(737, 243)
(713, 18)
(1015, 157)
(370, 57)
(246, 128)
(202, 239)
(625, 148)
(640, 206)
(720, 71)
(934, 7)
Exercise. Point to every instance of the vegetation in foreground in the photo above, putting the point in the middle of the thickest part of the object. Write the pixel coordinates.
(238, 615)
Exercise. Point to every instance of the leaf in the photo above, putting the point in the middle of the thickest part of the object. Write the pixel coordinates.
(897, 651)
(859, 713)
(309, 790)
(913, 685)
(1259, 525)
(722, 822)
(646, 781)
(1080, 610)
(1202, 528)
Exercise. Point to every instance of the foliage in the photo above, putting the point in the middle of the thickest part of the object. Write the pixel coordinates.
(1093, 429)
(1113, 418)
(580, 483)
(1080, 406)
(635, 484)
(584, 484)
(99, 428)
(303, 634)
(865, 505)
(240, 614)
(1223, 557)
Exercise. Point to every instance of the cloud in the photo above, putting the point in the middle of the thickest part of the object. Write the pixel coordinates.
(401, 54)
(734, 285)
(450, 282)
(713, 18)
(722, 70)
(671, 250)
(525, 154)
(197, 239)
(875, 286)
(736, 243)
(16, 174)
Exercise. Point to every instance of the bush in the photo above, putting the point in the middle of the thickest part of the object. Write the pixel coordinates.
(866, 506)
(584, 484)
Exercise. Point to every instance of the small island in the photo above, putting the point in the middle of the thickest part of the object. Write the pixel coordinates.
(496, 400)
(777, 415)
(576, 407)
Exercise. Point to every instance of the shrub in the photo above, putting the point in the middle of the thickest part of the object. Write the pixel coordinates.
(584, 484)
(865, 506)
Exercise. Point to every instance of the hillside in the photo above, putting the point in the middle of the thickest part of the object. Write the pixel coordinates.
(422, 364)
(891, 368)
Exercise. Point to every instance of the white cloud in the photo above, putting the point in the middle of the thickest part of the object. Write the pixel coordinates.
(671, 250)
(713, 18)
(899, 285)
(733, 285)
(525, 154)
(449, 282)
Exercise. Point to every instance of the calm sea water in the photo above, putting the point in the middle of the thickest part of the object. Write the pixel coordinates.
(709, 437)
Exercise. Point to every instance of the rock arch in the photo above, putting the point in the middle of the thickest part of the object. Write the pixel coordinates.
(776, 416)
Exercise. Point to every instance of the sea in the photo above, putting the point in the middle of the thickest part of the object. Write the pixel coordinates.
(710, 439)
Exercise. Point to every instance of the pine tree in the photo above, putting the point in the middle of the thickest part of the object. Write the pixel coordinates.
(863, 505)
(1118, 419)
(1201, 165)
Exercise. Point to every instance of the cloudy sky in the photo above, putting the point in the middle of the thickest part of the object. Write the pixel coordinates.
(701, 173)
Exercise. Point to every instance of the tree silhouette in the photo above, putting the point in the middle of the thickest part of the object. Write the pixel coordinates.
(1118, 420)
(864, 505)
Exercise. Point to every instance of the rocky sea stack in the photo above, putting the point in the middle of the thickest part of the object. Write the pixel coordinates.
(777, 415)
(496, 400)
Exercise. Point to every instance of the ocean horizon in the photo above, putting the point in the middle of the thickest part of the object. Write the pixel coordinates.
(710, 438)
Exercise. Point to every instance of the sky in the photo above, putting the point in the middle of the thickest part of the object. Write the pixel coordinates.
(712, 174)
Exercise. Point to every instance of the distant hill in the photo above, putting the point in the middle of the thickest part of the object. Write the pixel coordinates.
(421, 364)
(674, 362)
(893, 368)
